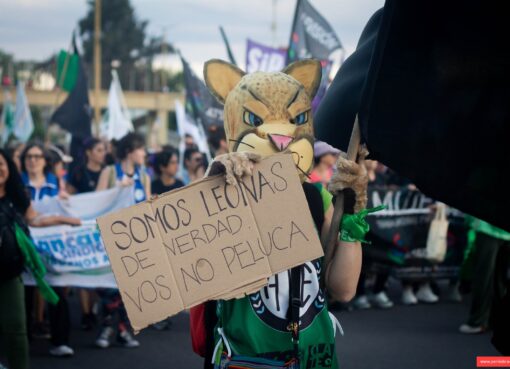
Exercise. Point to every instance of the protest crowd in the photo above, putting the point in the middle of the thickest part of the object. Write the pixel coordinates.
(45, 170)
(54, 269)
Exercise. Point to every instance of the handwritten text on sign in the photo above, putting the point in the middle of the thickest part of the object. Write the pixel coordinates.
(209, 240)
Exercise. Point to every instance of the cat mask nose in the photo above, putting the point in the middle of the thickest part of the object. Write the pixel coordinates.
(280, 142)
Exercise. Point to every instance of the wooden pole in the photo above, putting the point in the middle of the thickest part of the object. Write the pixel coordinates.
(352, 153)
(97, 65)
(164, 51)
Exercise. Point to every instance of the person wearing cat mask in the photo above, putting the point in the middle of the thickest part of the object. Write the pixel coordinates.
(265, 114)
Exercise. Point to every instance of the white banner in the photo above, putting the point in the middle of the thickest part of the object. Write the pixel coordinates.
(75, 256)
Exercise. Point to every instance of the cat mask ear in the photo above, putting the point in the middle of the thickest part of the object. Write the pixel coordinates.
(221, 78)
(308, 72)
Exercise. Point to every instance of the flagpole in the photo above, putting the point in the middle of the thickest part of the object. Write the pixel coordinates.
(164, 51)
(294, 21)
(273, 24)
(352, 153)
(97, 65)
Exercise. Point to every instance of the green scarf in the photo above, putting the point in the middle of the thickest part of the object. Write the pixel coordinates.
(34, 263)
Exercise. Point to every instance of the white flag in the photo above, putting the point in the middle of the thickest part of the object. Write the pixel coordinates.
(117, 120)
(23, 122)
(186, 126)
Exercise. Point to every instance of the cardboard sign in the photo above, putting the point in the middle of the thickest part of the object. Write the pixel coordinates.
(209, 240)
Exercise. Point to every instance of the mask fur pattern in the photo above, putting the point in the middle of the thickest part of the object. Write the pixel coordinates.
(266, 113)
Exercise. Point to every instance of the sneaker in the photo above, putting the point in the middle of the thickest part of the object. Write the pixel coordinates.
(408, 297)
(103, 341)
(381, 300)
(126, 339)
(469, 329)
(361, 302)
(426, 295)
(40, 330)
(61, 351)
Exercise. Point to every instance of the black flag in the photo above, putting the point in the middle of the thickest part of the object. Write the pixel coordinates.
(75, 113)
(312, 36)
(430, 81)
(200, 104)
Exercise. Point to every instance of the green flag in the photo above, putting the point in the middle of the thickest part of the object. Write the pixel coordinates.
(6, 119)
(67, 70)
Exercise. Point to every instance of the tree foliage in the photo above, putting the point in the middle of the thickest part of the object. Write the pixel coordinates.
(122, 36)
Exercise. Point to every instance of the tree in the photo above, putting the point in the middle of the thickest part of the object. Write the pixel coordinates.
(122, 37)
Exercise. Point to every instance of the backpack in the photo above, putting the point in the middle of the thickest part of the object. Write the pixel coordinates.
(11, 258)
(198, 329)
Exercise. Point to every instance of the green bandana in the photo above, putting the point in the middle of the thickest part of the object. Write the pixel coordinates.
(354, 227)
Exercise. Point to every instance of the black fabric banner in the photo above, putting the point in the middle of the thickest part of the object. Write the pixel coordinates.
(398, 234)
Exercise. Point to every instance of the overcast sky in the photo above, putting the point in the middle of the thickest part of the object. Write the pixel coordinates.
(33, 29)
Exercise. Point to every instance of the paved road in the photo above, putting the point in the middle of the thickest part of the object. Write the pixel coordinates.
(418, 337)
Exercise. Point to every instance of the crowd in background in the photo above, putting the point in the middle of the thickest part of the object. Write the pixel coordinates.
(484, 271)
(46, 170)
(36, 170)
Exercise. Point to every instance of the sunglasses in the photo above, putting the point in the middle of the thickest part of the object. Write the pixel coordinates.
(34, 157)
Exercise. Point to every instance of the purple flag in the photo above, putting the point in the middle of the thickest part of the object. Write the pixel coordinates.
(264, 58)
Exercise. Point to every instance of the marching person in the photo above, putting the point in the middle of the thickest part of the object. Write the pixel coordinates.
(85, 176)
(166, 166)
(194, 165)
(325, 157)
(15, 208)
(38, 177)
(82, 179)
(128, 171)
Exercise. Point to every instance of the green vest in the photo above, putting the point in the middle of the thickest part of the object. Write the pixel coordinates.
(256, 325)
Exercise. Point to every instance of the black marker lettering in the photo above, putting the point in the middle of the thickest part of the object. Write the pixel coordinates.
(294, 229)
(232, 220)
(273, 237)
(194, 236)
(205, 204)
(181, 245)
(182, 202)
(154, 220)
(139, 305)
(283, 184)
(167, 216)
(121, 223)
(160, 284)
(226, 189)
(228, 262)
(151, 287)
(141, 261)
(132, 228)
(130, 265)
(263, 182)
(217, 197)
